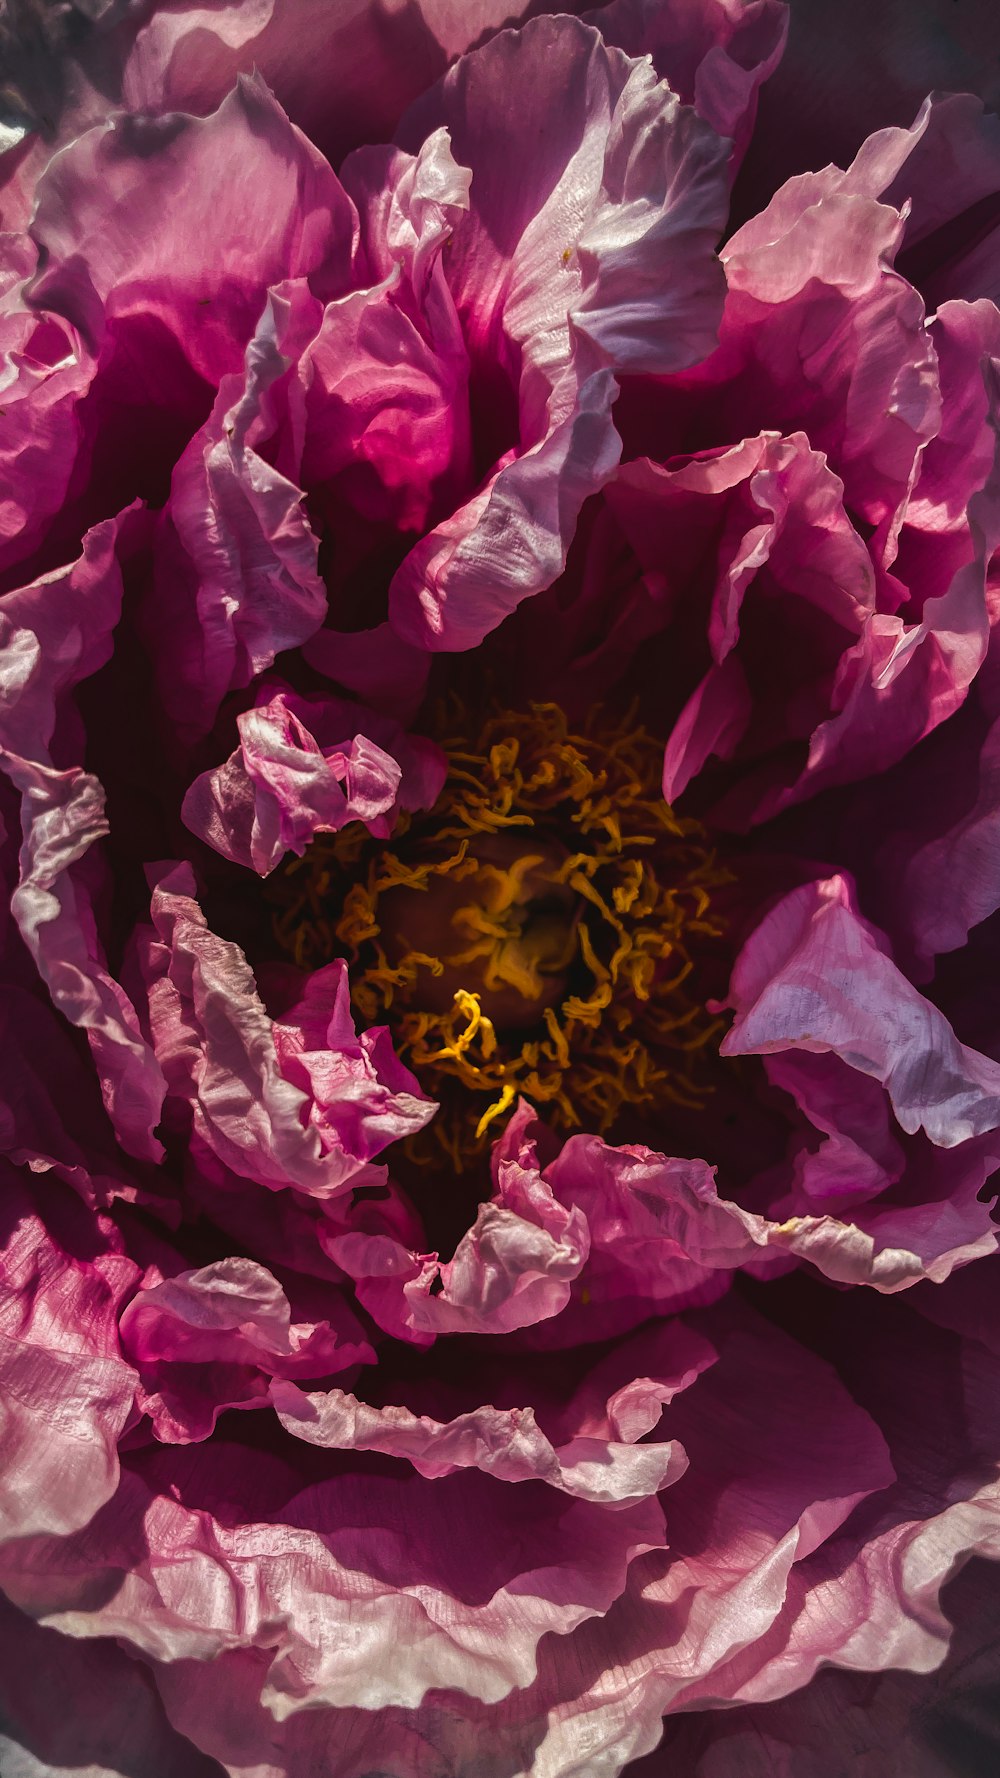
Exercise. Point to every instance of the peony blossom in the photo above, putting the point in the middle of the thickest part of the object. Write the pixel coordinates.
(500, 797)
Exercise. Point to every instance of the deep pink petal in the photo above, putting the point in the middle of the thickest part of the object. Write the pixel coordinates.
(254, 204)
(632, 186)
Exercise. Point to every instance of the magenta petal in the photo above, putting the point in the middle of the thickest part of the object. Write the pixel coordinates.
(255, 203)
(386, 379)
(362, 1096)
(109, 1717)
(364, 64)
(279, 789)
(261, 1100)
(952, 882)
(870, 1598)
(47, 372)
(632, 185)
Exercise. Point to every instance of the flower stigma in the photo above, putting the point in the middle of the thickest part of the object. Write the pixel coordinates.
(533, 934)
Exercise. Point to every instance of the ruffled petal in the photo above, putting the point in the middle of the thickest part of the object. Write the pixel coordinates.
(813, 977)
(207, 1340)
(56, 633)
(363, 1592)
(237, 562)
(306, 766)
(65, 1388)
(632, 186)
(594, 1454)
(237, 1070)
(254, 203)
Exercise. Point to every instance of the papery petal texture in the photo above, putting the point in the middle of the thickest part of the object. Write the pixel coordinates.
(500, 1100)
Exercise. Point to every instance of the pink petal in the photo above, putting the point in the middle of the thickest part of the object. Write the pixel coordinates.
(632, 186)
(813, 977)
(238, 1070)
(67, 1391)
(254, 203)
(236, 566)
(55, 633)
(714, 53)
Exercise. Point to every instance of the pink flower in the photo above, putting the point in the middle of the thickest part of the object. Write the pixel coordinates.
(498, 733)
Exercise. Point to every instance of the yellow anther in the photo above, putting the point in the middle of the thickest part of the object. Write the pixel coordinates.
(610, 1021)
(497, 1109)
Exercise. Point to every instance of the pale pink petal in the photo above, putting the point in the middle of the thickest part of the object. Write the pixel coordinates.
(814, 977)
(596, 1454)
(364, 1594)
(66, 1389)
(513, 1268)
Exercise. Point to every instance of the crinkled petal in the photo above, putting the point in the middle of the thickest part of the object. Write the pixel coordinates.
(237, 570)
(513, 1268)
(223, 1056)
(283, 785)
(632, 186)
(814, 977)
(206, 1340)
(362, 1592)
(65, 1388)
(57, 632)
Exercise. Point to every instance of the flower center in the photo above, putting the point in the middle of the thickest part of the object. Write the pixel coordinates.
(535, 933)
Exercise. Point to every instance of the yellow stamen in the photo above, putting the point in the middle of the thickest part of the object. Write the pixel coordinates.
(622, 1030)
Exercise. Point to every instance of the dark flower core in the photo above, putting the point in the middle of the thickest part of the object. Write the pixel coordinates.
(532, 934)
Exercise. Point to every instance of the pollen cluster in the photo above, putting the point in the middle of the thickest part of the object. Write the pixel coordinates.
(534, 934)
